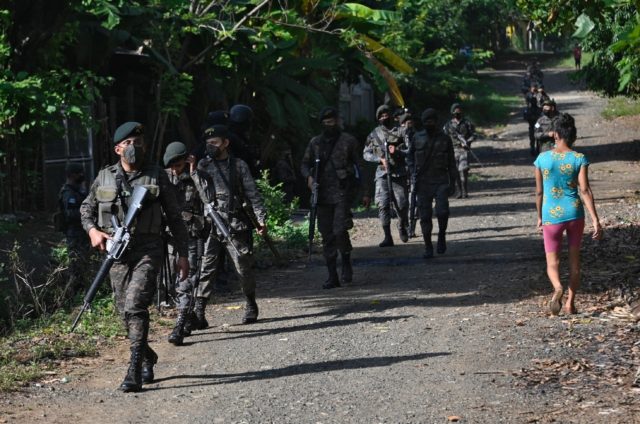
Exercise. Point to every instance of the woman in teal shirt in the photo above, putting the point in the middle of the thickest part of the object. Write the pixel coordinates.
(561, 180)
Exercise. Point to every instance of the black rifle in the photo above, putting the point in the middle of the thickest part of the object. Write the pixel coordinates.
(467, 147)
(248, 210)
(116, 247)
(313, 211)
(211, 211)
(413, 205)
(389, 183)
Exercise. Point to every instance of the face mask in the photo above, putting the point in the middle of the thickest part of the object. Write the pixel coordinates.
(133, 154)
(457, 115)
(546, 113)
(79, 179)
(330, 130)
(386, 122)
(212, 150)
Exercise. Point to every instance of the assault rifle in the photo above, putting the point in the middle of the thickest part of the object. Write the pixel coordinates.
(248, 210)
(413, 205)
(467, 147)
(389, 183)
(313, 211)
(116, 247)
(212, 212)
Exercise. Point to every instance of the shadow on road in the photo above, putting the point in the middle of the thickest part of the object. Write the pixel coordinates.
(292, 370)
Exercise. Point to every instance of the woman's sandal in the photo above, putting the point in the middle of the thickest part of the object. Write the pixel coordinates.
(555, 303)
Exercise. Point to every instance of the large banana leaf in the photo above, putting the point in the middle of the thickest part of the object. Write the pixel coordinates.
(394, 90)
(308, 94)
(387, 55)
(360, 11)
(584, 25)
(274, 107)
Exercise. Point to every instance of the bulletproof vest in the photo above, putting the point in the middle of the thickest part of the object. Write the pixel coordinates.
(391, 136)
(432, 154)
(333, 157)
(462, 128)
(109, 197)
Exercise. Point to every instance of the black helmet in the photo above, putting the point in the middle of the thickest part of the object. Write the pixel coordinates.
(454, 107)
(217, 117)
(328, 112)
(428, 114)
(240, 114)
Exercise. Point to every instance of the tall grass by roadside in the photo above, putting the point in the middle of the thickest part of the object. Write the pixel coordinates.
(621, 106)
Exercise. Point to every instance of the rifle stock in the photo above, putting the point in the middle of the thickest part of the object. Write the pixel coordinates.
(116, 247)
(313, 211)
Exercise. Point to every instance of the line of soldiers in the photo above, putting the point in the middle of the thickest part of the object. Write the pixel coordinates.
(184, 199)
(432, 161)
(539, 112)
(178, 199)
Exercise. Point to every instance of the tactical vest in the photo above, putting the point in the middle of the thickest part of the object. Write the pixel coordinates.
(108, 196)
(191, 207)
(339, 163)
(432, 156)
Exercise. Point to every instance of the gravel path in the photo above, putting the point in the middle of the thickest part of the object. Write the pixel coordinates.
(408, 341)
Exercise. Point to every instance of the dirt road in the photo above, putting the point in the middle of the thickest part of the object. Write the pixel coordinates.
(409, 341)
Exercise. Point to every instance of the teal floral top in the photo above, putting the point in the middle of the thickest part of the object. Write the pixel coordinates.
(561, 201)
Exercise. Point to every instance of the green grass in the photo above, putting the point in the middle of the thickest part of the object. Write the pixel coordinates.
(36, 345)
(565, 60)
(485, 106)
(7, 227)
(621, 106)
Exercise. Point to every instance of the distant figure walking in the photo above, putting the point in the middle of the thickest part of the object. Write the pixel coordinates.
(561, 173)
(577, 55)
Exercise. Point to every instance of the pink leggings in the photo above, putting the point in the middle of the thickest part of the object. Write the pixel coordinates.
(553, 235)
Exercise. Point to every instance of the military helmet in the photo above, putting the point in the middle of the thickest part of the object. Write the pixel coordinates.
(382, 109)
(126, 130)
(406, 117)
(240, 114)
(454, 107)
(175, 150)
(549, 102)
(217, 117)
(328, 112)
(429, 113)
(74, 168)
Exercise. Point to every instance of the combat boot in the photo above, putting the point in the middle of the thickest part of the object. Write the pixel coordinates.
(333, 280)
(199, 308)
(150, 359)
(347, 269)
(177, 337)
(388, 240)
(133, 380)
(442, 240)
(189, 323)
(402, 229)
(250, 310)
(464, 183)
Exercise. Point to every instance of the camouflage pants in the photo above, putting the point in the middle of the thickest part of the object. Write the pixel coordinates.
(243, 263)
(133, 282)
(334, 222)
(426, 194)
(384, 202)
(462, 159)
(184, 288)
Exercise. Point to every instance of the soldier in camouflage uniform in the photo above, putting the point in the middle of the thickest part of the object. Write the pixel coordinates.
(338, 154)
(231, 186)
(70, 198)
(531, 115)
(186, 178)
(432, 162)
(462, 133)
(133, 276)
(543, 131)
(374, 151)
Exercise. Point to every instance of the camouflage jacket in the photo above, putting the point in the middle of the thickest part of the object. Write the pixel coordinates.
(70, 198)
(192, 208)
(460, 129)
(374, 150)
(338, 167)
(431, 159)
(231, 187)
(112, 186)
